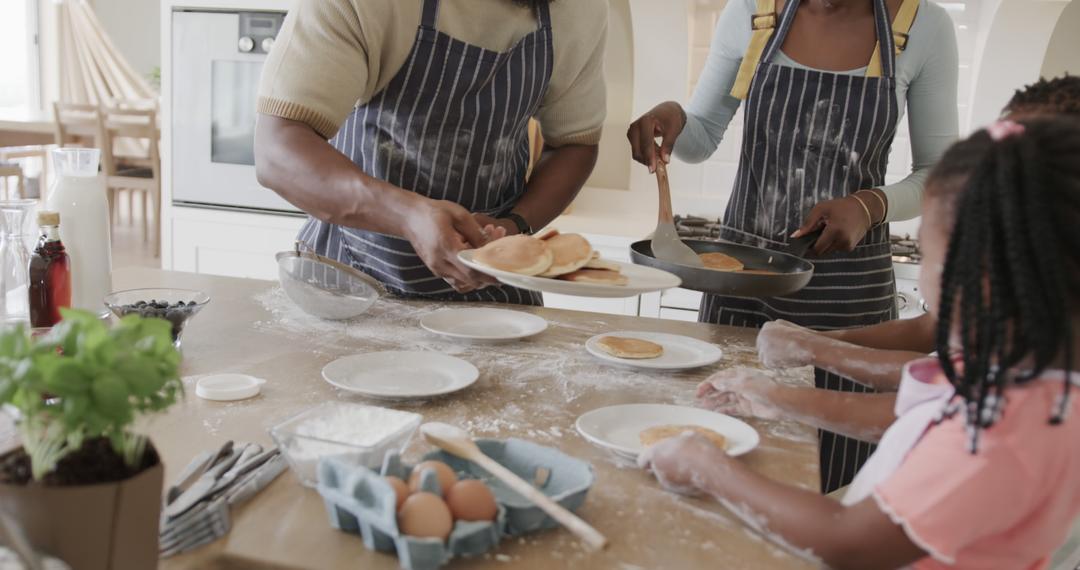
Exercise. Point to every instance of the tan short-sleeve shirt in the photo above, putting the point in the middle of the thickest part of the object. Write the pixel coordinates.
(332, 55)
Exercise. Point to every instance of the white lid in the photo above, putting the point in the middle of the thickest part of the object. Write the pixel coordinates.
(228, 387)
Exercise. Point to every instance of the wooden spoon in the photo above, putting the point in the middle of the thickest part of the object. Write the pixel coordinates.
(666, 244)
(458, 442)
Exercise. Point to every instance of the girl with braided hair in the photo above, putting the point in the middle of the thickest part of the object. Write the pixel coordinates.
(872, 356)
(980, 468)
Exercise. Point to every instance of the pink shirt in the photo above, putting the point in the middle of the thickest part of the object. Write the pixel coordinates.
(1011, 505)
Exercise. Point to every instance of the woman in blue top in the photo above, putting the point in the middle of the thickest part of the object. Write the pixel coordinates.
(826, 83)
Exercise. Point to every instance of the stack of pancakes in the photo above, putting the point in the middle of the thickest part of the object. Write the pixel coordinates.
(550, 254)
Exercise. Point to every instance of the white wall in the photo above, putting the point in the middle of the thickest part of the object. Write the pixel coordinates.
(1063, 53)
(1013, 50)
(134, 26)
(613, 165)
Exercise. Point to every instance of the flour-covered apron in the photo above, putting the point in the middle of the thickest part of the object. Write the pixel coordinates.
(451, 125)
(812, 136)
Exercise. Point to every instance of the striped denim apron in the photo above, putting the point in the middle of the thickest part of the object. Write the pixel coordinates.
(451, 125)
(812, 136)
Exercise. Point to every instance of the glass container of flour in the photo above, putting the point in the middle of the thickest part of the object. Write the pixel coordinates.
(354, 433)
(78, 193)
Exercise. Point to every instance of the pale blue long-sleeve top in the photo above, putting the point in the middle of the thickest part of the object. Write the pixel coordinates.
(926, 77)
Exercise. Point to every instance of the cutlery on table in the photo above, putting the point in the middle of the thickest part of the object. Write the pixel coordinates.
(203, 485)
(458, 442)
(203, 461)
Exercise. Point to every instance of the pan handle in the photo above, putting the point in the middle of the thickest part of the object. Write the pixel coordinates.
(800, 245)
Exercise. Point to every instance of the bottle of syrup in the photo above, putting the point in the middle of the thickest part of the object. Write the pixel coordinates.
(50, 273)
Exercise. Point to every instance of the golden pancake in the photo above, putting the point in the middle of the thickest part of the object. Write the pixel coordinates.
(630, 348)
(519, 254)
(570, 252)
(599, 276)
(720, 262)
(598, 262)
(656, 434)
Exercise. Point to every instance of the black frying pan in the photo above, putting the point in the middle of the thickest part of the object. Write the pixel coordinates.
(792, 272)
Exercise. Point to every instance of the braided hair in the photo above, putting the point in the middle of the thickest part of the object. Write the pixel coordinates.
(1010, 281)
(1057, 96)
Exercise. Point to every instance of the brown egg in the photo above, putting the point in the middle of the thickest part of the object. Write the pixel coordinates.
(425, 515)
(400, 489)
(471, 500)
(446, 475)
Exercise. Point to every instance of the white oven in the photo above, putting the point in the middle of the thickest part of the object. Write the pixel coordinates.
(217, 58)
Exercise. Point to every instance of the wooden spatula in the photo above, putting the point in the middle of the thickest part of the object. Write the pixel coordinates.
(666, 244)
(458, 442)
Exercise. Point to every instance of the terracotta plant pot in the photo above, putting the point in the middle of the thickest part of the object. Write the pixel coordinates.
(107, 526)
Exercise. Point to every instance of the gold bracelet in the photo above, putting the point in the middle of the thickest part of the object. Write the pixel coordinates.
(884, 205)
(869, 218)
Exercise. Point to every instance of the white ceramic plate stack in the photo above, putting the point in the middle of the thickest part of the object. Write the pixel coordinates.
(680, 352)
(400, 375)
(642, 279)
(618, 428)
(483, 324)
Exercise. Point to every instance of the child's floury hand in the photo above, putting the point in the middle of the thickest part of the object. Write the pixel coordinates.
(740, 392)
(683, 464)
(781, 344)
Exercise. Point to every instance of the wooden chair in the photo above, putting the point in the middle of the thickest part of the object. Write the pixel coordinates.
(77, 125)
(132, 172)
(9, 155)
(9, 170)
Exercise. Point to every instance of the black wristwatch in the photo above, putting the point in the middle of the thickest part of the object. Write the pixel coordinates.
(523, 227)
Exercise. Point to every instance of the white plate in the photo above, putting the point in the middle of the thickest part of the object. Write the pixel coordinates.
(680, 352)
(617, 427)
(483, 324)
(400, 375)
(642, 279)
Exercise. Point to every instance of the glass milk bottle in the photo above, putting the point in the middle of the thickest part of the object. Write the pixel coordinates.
(78, 194)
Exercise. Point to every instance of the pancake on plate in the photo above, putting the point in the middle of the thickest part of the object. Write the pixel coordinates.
(519, 254)
(598, 276)
(598, 262)
(570, 252)
(720, 261)
(630, 348)
(656, 434)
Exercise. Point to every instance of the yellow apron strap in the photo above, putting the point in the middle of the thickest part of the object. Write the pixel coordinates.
(905, 17)
(762, 22)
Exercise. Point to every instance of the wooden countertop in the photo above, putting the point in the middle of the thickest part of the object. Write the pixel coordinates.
(531, 389)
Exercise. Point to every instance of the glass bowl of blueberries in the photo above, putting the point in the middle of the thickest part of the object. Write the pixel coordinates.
(177, 306)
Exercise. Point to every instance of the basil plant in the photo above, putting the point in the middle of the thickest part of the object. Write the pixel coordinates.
(84, 379)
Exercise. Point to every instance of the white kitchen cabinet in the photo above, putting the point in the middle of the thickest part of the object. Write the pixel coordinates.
(231, 244)
(628, 306)
(678, 315)
(681, 299)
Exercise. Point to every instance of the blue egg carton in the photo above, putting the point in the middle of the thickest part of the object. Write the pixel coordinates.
(361, 501)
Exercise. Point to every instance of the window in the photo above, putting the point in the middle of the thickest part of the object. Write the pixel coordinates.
(18, 50)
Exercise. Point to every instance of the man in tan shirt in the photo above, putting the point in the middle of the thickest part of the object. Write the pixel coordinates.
(426, 104)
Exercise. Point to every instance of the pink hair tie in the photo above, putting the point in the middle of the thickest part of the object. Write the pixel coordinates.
(1003, 129)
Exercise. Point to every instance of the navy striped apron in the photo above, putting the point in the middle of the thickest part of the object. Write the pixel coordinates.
(451, 125)
(812, 136)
